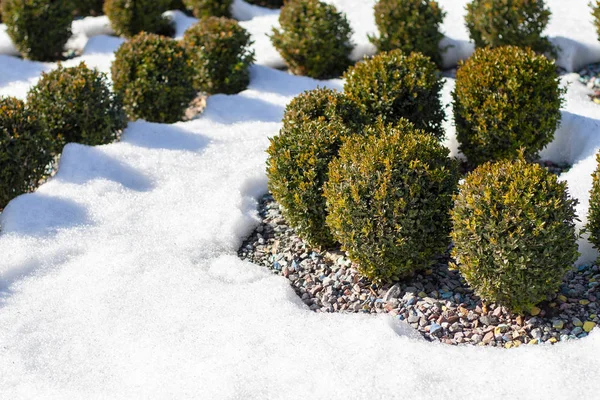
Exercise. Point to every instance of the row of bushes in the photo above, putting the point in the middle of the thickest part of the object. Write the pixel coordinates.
(365, 168)
(154, 78)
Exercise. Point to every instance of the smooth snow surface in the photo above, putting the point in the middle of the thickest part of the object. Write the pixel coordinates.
(119, 277)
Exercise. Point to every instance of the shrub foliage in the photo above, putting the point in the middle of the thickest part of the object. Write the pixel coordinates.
(38, 28)
(221, 54)
(88, 7)
(596, 15)
(388, 200)
(314, 39)
(593, 224)
(514, 232)
(509, 22)
(76, 105)
(395, 85)
(25, 150)
(130, 17)
(409, 25)
(209, 8)
(154, 77)
(267, 3)
(314, 126)
(506, 99)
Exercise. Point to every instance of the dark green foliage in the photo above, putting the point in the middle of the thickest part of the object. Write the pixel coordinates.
(514, 232)
(76, 105)
(409, 25)
(314, 126)
(394, 85)
(593, 224)
(314, 39)
(209, 8)
(267, 3)
(38, 28)
(509, 22)
(388, 200)
(176, 5)
(596, 15)
(506, 99)
(154, 77)
(25, 150)
(221, 54)
(130, 17)
(88, 7)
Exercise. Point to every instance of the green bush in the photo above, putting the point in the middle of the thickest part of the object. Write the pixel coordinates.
(596, 15)
(38, 28)
(154, 77)
(314, 39)
(267, 3)
(130, 17)
(88, 7)
(593, 224)
(388, 198)
(509, 22)
(514, 232)
(506, 99)
(209, 8)
(394, 85)
(76, 105)
(221, 54)
(409, 25)
(25, 150)
(314, 126)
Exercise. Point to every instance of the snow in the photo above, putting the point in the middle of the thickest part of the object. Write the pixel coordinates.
(119, 277)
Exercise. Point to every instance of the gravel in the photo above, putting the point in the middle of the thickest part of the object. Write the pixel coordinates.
(437, 302)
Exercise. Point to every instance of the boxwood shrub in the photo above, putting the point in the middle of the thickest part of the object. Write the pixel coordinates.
(506, 99)
(593, 224)
(25, 150)
(154, 76)
(596, 14)
(409, 25)
(38, 28)
(209, 8)
(314, 39)
(130, 17)
(88, 7)
(514, 232)
(314, 126)
(267, 3)
(396, 85)
(509, 22)
(221, 54)
(388, 198)
(76, 105)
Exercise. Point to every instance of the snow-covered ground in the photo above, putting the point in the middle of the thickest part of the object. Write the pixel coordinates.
(119, 279)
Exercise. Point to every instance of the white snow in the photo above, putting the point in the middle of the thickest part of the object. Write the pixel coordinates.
(119, 277)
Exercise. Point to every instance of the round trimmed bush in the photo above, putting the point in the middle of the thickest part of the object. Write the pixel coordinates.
(388, 198)
(267, 3)
(154, 77)
(130, 17)
(596, 15)
(88, 7)
(514, 232)
(314, 39)
(25, 150)
(593, 224)
(409, 25)
(395, 85)
(314, 125)
(38, 28)
(506, 99)
(209, 8)
(496, 23)
(221, 54)
(76, 105)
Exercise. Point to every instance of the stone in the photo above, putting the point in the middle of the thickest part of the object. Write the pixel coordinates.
(488, 337)
(576, 322)
(536, 333)
(392, 293)
(577, 330)
(584, 302)
(588, 326)
(485, 320)
(435, 329)
(534, 341)
(558, 324)
(535, 311)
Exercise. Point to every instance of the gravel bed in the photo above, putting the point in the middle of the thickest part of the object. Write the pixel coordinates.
(437, 302)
